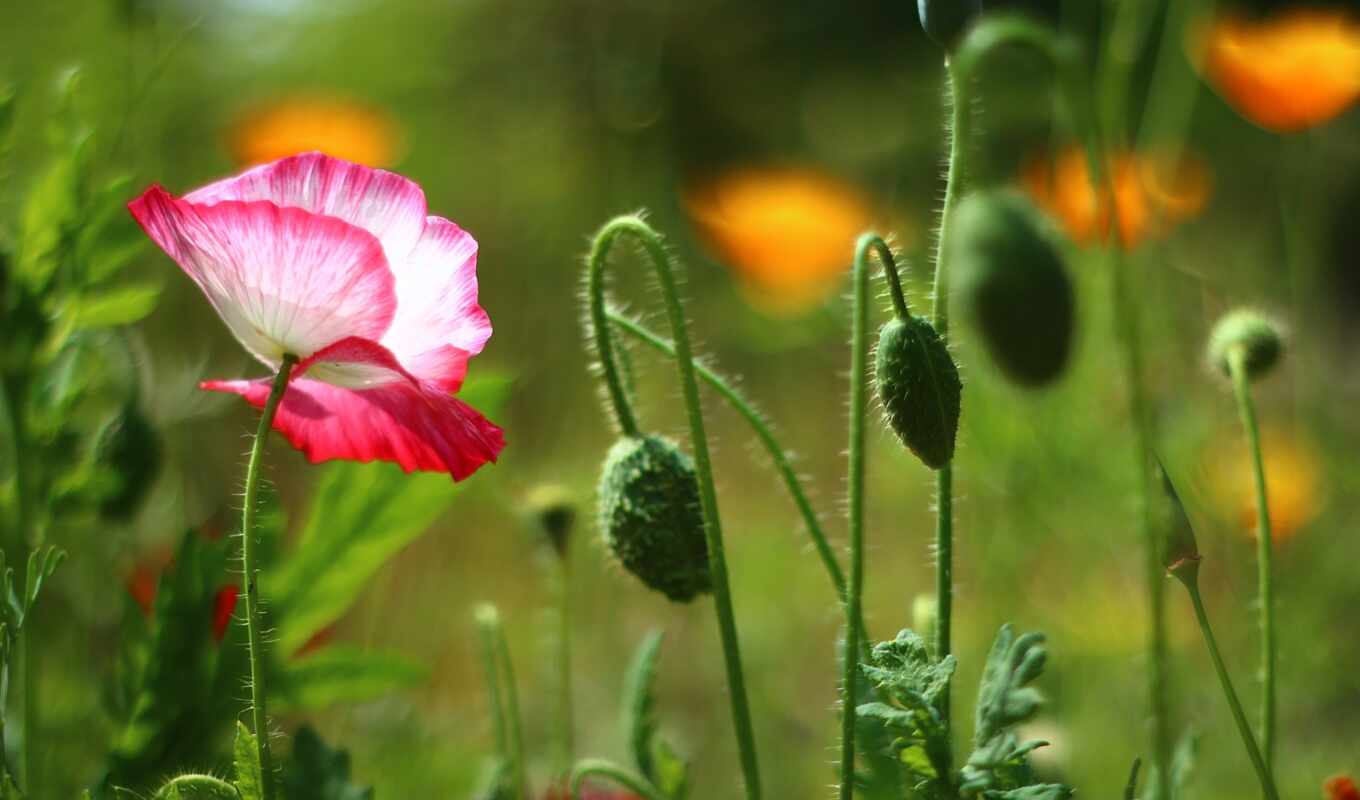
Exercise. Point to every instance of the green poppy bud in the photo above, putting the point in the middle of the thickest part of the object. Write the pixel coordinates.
(651, 517)
(919, 386)
(1009, 275)
(946, 20)
(1254, 335)
(554, 512)
(128, 451)
(1180, 552)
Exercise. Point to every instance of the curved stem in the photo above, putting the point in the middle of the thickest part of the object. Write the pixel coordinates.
(1242, 389)
(259, 714)
(1263, 772)
(708, 496)
(598, 767)
(604, 343)
(767, 438)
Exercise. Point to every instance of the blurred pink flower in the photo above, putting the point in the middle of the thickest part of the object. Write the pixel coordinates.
(338, 264)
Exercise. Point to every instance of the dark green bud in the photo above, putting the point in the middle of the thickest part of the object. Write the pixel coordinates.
(128, 452)
(554, 512)
(1180, 552)
(651, 518)
(1250, 333)
(1009, 274)
(919, 386)
(946, 20)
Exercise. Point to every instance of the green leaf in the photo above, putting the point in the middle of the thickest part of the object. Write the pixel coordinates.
(110, 237)
(1038, 791)
(342, 675)
(48, 212)
(246, 758)
(121, 306)
(316, 771)
(904, 672)
(361, 516)
(904, 668)
(1183, 763)
(672, 771)
(41, 565)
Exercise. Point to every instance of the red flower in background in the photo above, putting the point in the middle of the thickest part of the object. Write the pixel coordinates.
(1340, 787)
(339, 265)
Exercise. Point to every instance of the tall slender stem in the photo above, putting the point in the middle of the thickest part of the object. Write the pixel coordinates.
(1263, 771)
(515, 734)
(566, 735)
(708, 496)
(1242, 389)
(259, 714)
(944, 477)
(504, 699)
(859, 354)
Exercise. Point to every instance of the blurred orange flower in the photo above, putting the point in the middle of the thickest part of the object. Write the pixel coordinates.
(1286, 72)
(1294, 489)
(340, 128)
(788, 232)
(1151, 194)
(1340, 787)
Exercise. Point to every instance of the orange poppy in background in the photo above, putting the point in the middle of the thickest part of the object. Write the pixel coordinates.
(1151, 194)
(1286, 72)
(788, 232)
(1294, 490)
(340, 128)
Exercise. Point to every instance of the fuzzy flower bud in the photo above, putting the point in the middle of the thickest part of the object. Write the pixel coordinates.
(1009, 274)
(651, 518)
(919, 386)
(1251, 333)
(946, 20)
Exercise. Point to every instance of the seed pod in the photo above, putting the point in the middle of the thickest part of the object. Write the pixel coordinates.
(1010, 277)
(919, 386)
(651, 518)
(129, 450)
(946, 20)
(1255, 335)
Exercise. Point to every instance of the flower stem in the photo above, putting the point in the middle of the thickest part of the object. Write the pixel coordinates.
(504, 702)
(1242, 389)
(944, 478)
(607, 769)
(566, 737)
(254, 625)
(708, 496)
(764, 433)
(1263, 772)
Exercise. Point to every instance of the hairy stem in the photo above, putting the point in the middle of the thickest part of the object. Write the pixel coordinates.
(708, 496)
(1242, 389)
(1263, 772)
(254, 625)
(598, 767)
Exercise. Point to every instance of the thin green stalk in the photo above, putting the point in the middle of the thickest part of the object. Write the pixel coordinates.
(254, 626)
(487, 620)
(1263, 772)
(516, 732)
(566, 735)
(763, 432)
(1242, 389)
(944, 477)
(629, 780)
(504, 699)
(708, 496)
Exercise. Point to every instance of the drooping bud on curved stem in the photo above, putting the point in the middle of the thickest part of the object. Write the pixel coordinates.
(655, 250)
(1180, 552)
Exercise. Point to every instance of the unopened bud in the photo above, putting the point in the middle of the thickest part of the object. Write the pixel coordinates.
(919, 386)
(554, 512)
(1251, 334)
(1180, 553)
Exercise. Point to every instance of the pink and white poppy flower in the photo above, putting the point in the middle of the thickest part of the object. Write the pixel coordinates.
(338, 264)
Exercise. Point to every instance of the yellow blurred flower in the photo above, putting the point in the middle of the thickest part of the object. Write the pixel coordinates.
(788, 232)
(340, 128)
(1294, 491)
(1151, 194)
(1286, 72)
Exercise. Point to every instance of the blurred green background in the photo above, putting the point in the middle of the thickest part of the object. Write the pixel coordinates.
(531, 122)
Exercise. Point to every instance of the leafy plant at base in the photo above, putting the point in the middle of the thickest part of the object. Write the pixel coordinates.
(16, 605)
(999, 765)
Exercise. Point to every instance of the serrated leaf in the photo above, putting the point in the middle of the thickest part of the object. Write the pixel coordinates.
(342, 675)
(1038, 791)
(639, 711)
(361, 516)
(999, 763)
(904, 668)
(316, 771)
(246, 760)
(123, 305)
